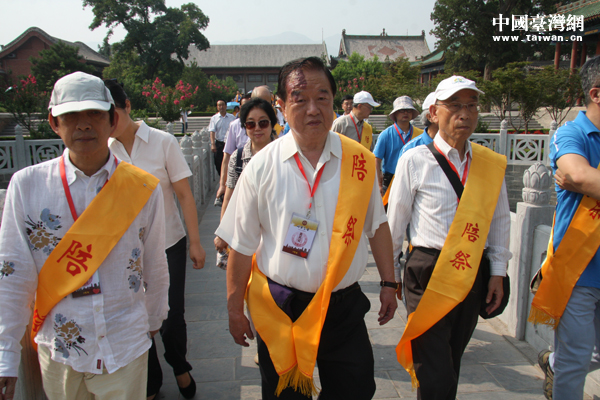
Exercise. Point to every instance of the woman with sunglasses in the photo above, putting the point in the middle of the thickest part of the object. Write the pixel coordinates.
(259, 118)
(158, 153)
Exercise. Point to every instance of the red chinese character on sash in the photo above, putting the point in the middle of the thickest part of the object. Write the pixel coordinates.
(595, 212)
(461, 260)
(77, 260)
(359, 166)
(349, 235)
(367, 139)
(472, 232)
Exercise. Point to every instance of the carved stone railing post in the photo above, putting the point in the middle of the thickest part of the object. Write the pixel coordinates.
(186, 149)
(170, 127)
(206, 160)
(200, 194)
(503, 142)
(533, 211)
(20, 148)
(553, 129)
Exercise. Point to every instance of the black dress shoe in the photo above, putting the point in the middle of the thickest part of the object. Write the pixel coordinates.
(190, 390)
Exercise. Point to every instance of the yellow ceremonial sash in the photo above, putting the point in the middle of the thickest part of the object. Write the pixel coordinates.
(561, 270)
(293, 346)
(367, 136)
(458, 263)
(91, 238)
(386, 196)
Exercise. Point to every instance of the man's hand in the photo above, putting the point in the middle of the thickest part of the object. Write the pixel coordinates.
(239, 327)
(381, 190)
(495, 293)
(213, 147)
(220, 244)
(197, 255)
(562, 182)
(387, 296)
(7, 387)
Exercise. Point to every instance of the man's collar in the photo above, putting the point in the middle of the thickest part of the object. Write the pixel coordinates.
(72, 171)
(289, 147)
(358, 122)
(583, 120)
(446, 149)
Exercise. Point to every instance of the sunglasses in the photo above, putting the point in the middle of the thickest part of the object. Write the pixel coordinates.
(261, 124)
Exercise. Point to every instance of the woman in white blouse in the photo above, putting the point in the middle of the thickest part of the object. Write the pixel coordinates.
(158, 153)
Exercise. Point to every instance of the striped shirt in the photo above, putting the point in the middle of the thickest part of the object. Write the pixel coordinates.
(422, 195)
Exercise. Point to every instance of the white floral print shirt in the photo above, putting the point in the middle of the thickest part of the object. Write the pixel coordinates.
(109, 329)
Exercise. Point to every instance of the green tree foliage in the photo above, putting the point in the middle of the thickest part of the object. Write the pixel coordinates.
(465, 29)
(168, 102)
(27, 101)
(221, 89)
(159, 35)
(399, 79)
(355, 67)
(126, 68)
(561, 91)
(58, 60)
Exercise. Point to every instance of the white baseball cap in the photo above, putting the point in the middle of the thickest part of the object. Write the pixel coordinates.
(79, 92)
(364, 97)
(429, 100)
(449, 86)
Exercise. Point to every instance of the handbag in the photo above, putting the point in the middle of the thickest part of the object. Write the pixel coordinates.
(486, 273)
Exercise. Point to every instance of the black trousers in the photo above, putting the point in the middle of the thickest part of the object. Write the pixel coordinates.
(386, 180)
(345, 356)
(174, 329)
(437, 352)
(219, 155)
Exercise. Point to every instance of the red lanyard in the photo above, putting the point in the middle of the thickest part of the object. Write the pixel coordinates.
(400, 134)
(315, 185)
(465, 172)
(359, 134)
(63, 177)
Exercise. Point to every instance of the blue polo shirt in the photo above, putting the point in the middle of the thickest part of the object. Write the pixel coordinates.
(389, 145)
(579, 137)
(422, 140)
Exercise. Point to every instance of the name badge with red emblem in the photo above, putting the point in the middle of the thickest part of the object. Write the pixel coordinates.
(300, 236)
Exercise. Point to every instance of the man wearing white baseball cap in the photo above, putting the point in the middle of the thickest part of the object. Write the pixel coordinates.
(393, 138)
(354, 125)
(453, 194)
(85, 234)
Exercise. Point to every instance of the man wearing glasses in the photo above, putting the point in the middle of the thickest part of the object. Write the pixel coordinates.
(354, 125)
(455, 235)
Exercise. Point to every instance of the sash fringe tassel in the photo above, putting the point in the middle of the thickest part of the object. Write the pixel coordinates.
(298, 381)
(537, 316)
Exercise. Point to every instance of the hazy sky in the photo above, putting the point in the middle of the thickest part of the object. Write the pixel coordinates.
(66, 19)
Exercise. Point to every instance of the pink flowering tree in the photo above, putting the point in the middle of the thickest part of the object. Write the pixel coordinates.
(28, 103)
(168, 102)
(221, 89)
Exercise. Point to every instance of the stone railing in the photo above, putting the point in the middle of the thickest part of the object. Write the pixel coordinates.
(519, 149)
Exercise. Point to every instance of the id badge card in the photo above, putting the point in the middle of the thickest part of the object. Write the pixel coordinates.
(91, 287)
(300, 236)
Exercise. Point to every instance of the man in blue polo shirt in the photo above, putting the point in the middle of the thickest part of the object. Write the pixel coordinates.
(392, 139)
(431, 127)
(575, 155)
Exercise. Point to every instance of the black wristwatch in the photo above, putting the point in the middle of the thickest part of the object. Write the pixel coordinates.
(394, 285)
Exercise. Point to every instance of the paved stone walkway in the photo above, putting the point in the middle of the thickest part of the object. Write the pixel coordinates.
(494, 367)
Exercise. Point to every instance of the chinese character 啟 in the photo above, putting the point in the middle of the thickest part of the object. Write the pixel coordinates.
(77, 261)
(472, 232)
(359, 166)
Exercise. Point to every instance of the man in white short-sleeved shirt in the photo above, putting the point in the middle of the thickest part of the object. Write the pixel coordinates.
(270, 190)
(219, 123)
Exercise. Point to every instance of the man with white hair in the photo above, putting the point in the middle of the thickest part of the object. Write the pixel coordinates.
(458, 233)
(84, 234)
(393, 138)
(354, 125)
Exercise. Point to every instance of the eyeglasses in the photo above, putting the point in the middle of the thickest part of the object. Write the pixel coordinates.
(407, 111)
(456, 107)
(262, 124)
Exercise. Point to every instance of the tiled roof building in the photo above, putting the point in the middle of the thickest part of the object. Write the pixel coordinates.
(383, 46)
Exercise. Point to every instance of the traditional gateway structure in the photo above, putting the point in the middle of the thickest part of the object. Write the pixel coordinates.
(14, 57)
(252, 65)
(384, 46)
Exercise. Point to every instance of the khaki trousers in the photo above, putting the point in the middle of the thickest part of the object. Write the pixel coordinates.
(61, 382)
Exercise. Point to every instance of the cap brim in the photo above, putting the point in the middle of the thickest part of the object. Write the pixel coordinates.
(374, 104)
(415, 112)
(446, 94)
(77, 106)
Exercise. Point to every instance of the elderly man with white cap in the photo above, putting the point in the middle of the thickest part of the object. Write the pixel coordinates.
(354, 125)
(83, 234)
(393, 138)
(459, 234)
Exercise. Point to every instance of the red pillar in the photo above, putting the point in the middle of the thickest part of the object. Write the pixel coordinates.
(598, 46)
(557, 55)
(583, 54)
(573, 57)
